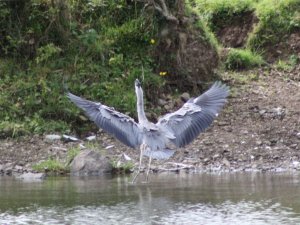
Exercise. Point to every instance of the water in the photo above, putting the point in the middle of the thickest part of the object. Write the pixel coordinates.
(239, 198)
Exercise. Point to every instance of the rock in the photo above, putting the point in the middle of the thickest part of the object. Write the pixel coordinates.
(18, 168)
(1, 168)
(126, 157)
(278, 112)
(206, 160)
(69, 138)
(161, 102)
(32, 176)
(167, 107)
(90, 163)
(7, 168)
(259, 142)
(262, 112)
(296, 164)
(223, 123)
(52, 137)
(91, 138)
(109, 146)
(215, 156)
(226, 162)
(293, 145)
(185, 96)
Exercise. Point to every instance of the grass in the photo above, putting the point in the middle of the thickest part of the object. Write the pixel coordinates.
(71, 154)
(277, 18)
(242, 59)
(216, 12)
(239, 78)
(119, 167)
(287, 65)
(51, 166)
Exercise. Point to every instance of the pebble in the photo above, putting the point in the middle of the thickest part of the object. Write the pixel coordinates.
(91, 138)
(126, 157)
(216, 156)
(206, 160)
(52, 137)
(226, 162)
(259, 142)
(161, 102)
(296, 163)
(69, 138)
(109, 146)
(223, 123)
(293, 145)
(185, 96)
(32, 176)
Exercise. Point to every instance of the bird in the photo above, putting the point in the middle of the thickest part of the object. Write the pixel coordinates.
(157, 140)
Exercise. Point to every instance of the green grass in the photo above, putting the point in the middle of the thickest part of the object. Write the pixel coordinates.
(242, 59)
(216, 12)
(287, 65)
(119, 167)
(240, 78)
(71, 154)
(51, 166)
(107, 48)
(277, 18)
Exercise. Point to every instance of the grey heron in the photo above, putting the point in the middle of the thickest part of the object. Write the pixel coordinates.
(173, 130)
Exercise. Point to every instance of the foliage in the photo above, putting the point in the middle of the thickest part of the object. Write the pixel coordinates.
(216, 11)
(50, 166)
(276, 19)
(287, 65)
(242, 59)
(96, 48)
(119, 167)
(71, 154)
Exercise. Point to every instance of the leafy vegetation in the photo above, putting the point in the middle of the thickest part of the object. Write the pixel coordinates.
(242, 59)
(51, 166)
(215, 12)
(98, 48)
(93, 48)
(119, 167)
(287, 65)
(276, 19)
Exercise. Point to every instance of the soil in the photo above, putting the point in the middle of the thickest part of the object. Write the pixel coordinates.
(259, 129)
(234, 33)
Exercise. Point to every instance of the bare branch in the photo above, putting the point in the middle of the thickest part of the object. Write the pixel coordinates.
(162, 8)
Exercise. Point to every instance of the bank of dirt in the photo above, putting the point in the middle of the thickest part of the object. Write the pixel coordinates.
(259, 130)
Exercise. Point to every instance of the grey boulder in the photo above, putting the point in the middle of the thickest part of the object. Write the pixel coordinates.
(90, 163)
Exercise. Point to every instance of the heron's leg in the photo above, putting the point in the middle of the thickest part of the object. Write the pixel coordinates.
(140, 164)
(148, 170)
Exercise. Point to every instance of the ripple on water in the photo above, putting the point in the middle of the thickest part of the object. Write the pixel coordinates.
(243, 212)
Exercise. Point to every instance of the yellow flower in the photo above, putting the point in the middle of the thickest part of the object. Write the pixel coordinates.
(152, 41)
(162, 73)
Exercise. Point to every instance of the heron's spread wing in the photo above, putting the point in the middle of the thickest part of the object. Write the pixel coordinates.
(195, 115)
(119, 125)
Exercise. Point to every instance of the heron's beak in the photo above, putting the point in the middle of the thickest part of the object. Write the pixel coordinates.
(137, 83)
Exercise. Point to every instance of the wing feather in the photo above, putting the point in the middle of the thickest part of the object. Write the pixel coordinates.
(196, 115)
(121, 126)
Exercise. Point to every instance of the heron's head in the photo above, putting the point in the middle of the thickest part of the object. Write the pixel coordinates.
(137, 83)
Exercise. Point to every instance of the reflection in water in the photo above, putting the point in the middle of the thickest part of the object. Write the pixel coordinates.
(169, 199)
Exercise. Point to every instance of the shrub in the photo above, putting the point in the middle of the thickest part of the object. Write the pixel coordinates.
(242, 59)
(276, 19)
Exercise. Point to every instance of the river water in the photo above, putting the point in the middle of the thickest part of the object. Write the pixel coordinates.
(223, 198)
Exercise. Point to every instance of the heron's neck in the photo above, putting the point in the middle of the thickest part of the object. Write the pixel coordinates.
(140, 106)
